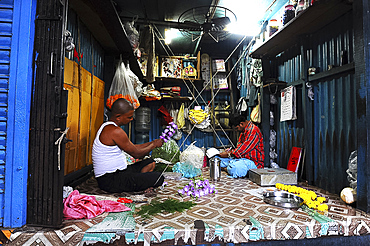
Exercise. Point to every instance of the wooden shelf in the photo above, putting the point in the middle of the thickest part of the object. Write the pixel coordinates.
(309, 21)
(172, 99)
(226, 130)
(169, 79)
(222, 110)
(177, 99)
(222, 90)
(332, 72)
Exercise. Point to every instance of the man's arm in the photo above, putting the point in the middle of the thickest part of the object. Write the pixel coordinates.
(120, 138)
(225, 153)
(249, 144)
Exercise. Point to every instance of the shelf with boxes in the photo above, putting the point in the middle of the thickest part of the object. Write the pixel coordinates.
(175, 67)
(173, 72)
(307, 21)
(217, 81)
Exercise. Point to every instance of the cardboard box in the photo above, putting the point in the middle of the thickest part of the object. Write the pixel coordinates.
(271, 176)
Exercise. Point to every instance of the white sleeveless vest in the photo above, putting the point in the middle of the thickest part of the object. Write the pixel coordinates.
(107, 159)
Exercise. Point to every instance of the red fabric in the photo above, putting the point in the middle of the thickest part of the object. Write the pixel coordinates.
(75, 54)
(250, 145)
(166, 115)
(78, 206)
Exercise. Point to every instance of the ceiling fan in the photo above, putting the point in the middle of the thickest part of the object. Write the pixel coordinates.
(206, 20)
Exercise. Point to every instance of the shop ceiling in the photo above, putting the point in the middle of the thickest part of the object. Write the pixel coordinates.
(164, 14)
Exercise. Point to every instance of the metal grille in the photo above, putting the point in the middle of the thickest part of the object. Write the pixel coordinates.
(48, 119)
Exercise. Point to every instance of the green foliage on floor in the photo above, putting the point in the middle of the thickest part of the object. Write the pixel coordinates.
(159, 167)
(169, 206)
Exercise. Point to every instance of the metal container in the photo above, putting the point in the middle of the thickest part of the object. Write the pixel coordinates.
(271, 176)
(215, 169)
(282, 199)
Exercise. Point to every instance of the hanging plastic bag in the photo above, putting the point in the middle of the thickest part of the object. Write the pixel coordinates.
(132, 34)
(177, 135)
(241, 106)
(181, 117)
(352, 170)
(193, 155)
(174, 112)
(122, 87)
(256, 112)
(138, 85)
(222, 115)
(199, 118)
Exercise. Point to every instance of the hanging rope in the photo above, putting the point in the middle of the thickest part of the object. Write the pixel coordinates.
(59, 142)
(169, 53)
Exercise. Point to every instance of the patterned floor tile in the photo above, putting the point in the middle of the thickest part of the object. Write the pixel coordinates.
(237, 214)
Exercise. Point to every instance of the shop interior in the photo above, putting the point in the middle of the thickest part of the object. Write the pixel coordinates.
(289, 66)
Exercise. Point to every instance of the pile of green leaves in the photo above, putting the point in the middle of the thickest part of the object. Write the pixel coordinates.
(160, 167)
(169, 151)
(169, 205)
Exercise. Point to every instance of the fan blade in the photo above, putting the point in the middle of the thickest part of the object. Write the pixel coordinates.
(189, 25)
(221, 22)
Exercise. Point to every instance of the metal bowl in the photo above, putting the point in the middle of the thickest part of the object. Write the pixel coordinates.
(282, 199)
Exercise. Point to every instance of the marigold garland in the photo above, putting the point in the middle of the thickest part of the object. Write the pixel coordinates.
(309, 197)
(129, 98)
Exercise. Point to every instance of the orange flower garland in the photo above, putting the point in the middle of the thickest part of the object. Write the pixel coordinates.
(129, 98)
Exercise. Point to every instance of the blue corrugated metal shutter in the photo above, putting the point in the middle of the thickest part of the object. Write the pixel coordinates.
(5, 42)
(16, 45)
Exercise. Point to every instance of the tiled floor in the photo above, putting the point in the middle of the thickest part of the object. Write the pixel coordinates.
(236, 214)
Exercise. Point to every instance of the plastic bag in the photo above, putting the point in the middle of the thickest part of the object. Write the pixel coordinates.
(256, 112)
(138, 85)
(181, 117)
(242, 106)
(222, 118)
(256, 115)
(199, 118)
(352, 170)
(122, 87)
(174, 112)
(177, 135)
(132, 34)
(193, 155)
(169, 151)
(187, 170)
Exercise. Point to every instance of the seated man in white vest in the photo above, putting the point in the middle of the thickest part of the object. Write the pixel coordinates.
(110, 163)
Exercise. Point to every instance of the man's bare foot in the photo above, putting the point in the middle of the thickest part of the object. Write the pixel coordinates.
(150, 192)
(150, 189)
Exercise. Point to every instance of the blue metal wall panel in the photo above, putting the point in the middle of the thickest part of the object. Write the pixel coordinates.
(6, 21)
(86, 45)
(335, 134)
(16, 49)
(327, 46)
(330, 120)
